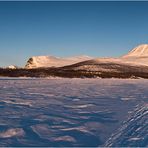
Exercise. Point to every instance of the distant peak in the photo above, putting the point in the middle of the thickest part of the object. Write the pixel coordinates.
(139, 51)
(51, 61)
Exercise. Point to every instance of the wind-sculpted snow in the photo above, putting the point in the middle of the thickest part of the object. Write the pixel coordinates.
(73, 112)
(133, 132)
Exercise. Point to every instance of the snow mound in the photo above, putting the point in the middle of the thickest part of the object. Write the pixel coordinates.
(12, 67)
(12, 132)
(51, 61)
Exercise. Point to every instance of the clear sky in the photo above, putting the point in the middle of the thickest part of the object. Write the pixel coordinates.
(107, 29)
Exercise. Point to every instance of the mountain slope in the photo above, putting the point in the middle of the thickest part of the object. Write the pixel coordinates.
(106, 65)
(135, 61)
(137, 56)
(51, 61)
(139, 51)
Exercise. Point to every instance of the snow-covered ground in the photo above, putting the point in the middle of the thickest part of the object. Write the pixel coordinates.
(73, 112)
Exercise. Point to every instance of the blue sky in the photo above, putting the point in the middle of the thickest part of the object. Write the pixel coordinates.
(107, 29)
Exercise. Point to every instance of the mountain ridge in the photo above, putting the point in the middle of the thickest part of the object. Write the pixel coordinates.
(139, 51)
(137, 56)
(51, 61)
(128, 66)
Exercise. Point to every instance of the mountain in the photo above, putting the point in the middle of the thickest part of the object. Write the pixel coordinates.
(136, 57)
(51, 61)
(139, 51)
(132, 65)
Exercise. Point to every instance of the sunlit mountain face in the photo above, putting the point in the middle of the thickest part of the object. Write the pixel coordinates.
(51, 61)
(137, 56)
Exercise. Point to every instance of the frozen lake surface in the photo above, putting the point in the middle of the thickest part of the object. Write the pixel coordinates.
(73, 112)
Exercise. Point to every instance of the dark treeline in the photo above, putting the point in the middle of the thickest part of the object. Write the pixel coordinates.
(70, 73)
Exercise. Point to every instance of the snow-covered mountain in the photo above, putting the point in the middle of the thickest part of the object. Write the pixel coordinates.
(51, 61)
(139, 51)
(136, 57)
(132, 65)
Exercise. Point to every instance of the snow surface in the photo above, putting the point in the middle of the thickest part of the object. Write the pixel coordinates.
(73, 112)
(133, 132)
(51, 61)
